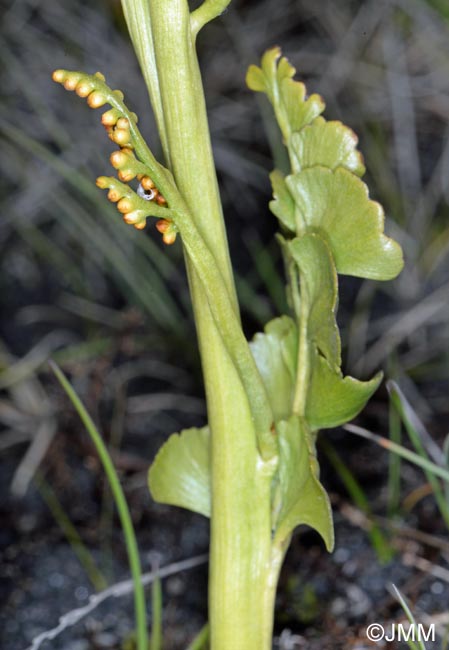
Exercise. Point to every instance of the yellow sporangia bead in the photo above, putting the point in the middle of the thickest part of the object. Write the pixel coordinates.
(169, 238)
(71, 82)
(84, 88)
(114, 195)
(147, 183)
(96, 99)
(125, 205)
(132, 218)
(123, 123)
(119, 158)
(58, 76)
(167, 230)
(121, 136)
(102, 182)
(163, 225)
(129, 152)
(109, 118)
(126, 175)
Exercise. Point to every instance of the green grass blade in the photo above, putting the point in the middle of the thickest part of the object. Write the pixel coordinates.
(85, 350)
(156, 609)
(394, 462)
(440, 6)
(446, 458)
(408, 612)
(254, 305)
(85, 558)
(201, 639)
(409, 418)
(45, 248)
(403, 452)
(264, 258)
(379, 542)
(122, 507)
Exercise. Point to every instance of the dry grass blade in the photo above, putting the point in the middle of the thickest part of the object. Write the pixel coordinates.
(406, 324)
(405, 453)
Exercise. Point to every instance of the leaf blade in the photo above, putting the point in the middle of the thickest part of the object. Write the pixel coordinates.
(336, 204)
(303, 498)
(275, 352)
(180, 474)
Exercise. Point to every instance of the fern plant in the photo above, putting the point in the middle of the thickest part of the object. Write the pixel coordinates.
(253, 469)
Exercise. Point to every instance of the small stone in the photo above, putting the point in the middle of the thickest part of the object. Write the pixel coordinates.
(105, 640)
(437, 588)
(81, 593)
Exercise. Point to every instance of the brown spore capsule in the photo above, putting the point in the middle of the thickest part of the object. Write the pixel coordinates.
(124, 206)
(147, 183)
(58, 76)
(118, 159)
(83, 89)
(121, 136)
(96, 99)
(70, 83)
(126, 175)
(163, 225)
(114, 196)
(169, 238)
(123, 123)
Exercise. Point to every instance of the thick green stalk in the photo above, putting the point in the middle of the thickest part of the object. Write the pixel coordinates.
(137, 16)
(242, 572)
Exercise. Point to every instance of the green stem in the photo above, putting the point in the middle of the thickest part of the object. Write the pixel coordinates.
(303, 372)
(242, 569)
(122, 507)
(137, 16)
(232, 336)
(206, 12)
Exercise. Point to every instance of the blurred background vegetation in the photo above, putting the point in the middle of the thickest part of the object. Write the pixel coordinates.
(110, 304)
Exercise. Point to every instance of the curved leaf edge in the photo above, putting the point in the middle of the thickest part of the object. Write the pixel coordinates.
(180, 473)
